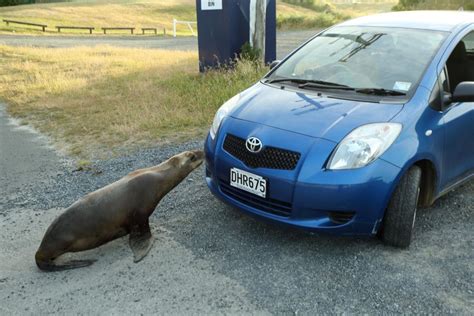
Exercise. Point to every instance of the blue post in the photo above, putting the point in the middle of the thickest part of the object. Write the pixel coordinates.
(223, 28)
(270, 32)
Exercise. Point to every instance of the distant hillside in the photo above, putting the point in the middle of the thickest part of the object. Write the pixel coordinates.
(101, 13)
(434, 5)
(143, 13)
(323, 13)
(291, 14)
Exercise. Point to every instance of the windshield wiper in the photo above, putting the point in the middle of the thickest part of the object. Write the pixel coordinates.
(303, 83)
(324, 85)
(320, 84)
(379, 91)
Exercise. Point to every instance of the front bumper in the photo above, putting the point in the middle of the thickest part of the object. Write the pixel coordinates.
(309, 197)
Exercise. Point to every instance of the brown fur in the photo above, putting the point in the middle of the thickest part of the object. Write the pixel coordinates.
(113, 211)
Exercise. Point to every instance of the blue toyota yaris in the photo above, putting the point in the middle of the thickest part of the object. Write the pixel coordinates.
(355, 129)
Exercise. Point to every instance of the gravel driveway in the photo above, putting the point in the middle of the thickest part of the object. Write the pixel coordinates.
(210, 259)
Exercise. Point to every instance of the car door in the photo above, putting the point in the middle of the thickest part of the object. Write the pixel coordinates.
(458, 117)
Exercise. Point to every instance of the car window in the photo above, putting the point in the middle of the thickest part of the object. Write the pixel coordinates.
(443, 79)
(363, 56)
(439, 89)
(469, 41)
(460, 63)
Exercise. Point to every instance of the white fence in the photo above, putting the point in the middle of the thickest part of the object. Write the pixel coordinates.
(188, 23)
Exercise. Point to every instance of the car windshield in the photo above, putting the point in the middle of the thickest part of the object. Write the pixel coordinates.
(364, 58)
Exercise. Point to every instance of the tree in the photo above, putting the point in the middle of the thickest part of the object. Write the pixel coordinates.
(6, 3)
(406, 5)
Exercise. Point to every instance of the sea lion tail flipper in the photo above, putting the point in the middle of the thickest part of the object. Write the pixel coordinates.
(50, 266)
(140, 241)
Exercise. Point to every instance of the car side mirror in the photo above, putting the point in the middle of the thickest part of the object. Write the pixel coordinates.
(274, 63)
(464, 92)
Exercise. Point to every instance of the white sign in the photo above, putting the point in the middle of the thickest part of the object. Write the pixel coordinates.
(402, 86)
(211, 5)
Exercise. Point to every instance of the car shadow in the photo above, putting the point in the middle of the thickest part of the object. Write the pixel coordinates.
(276, 259)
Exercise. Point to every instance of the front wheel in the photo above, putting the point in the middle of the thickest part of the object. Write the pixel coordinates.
(400, 215)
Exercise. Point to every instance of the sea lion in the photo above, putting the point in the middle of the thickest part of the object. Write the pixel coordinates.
(118, 209)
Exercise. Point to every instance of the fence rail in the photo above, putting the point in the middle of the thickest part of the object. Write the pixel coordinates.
(90, 28)
(154, 29)
(43, 26)
(188, 23)
(105, 29)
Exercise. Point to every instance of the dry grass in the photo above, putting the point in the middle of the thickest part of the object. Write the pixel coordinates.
(136, 13)
(324, 13)
(438, 5)
(160, 13)
(361, 9)
(104, 99)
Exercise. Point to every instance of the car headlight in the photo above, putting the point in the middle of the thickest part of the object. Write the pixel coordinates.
(363, 145)
(223, 111)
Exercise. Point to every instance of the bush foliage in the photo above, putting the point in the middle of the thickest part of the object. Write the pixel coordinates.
(310, 4)
(433, 5)
(324, 15)
(6, 3)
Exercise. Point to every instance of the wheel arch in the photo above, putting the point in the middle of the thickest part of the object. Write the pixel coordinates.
(428, 185)
(429, 181)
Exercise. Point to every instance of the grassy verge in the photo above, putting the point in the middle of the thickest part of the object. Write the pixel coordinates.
(103, 99)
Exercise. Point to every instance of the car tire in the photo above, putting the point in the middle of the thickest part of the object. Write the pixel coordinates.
(400, 215)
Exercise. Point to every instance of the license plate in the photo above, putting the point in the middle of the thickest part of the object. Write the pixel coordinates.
(248, 182)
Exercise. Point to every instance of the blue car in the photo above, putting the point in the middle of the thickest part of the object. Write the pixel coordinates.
(354, 130)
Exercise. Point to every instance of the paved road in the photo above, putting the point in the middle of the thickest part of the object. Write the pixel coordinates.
(210, 259)
(24, 159)
(286, 41)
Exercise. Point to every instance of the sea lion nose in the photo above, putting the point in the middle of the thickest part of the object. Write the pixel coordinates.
(199, 154)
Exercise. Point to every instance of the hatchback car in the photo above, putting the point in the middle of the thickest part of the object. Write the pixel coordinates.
(355, 129)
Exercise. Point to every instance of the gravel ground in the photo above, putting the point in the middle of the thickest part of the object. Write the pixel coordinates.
(210, 259)
(286, 41)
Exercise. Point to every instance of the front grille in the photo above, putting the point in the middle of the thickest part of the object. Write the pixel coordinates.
(268, 157)
(267, 205)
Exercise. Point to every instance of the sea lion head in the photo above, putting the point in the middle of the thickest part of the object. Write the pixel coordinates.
(191, 159)
(187, 161)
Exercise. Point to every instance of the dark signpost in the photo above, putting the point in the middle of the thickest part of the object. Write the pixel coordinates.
(224, 26)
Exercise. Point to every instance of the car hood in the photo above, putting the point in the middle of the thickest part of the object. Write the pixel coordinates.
(309, 114)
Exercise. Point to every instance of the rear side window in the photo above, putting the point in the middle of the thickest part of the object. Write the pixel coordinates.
(469, 41)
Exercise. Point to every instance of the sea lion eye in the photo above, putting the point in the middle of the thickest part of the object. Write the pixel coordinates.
(193, 157)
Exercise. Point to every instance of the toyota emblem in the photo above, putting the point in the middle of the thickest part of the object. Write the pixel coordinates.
(253, 144)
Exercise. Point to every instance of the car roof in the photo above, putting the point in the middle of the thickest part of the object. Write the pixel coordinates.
(430, 20)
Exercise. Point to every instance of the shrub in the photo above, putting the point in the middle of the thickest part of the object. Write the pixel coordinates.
(302, 22)
(309, 4)
(6, 3)
(250, 53)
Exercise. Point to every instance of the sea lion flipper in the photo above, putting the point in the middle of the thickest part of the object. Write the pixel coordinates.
(141, 241)
(73, 264)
